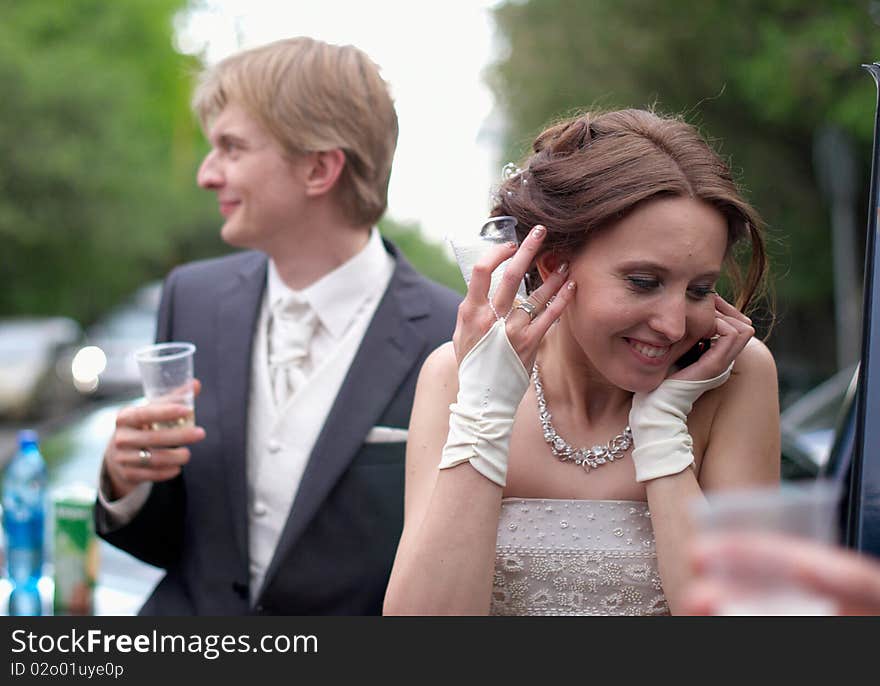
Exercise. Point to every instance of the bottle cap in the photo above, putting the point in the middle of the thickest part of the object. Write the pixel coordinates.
(27, 437)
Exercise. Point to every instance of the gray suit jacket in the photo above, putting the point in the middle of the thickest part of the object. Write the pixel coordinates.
(336, 550)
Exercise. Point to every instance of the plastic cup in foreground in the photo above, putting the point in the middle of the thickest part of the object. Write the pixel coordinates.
(804, 511)
(469, 248)
(166, 371)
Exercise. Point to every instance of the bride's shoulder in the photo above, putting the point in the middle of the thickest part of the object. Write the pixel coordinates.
(755, 361)
(437, 386)
(753, 377)
(441, 366)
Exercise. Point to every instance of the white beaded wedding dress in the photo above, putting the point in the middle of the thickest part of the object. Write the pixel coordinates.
(576, 557)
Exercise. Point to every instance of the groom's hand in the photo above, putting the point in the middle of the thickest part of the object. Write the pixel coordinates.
(147, 446)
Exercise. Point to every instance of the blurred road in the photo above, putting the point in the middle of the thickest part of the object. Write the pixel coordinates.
(45, 426)
(7, 442)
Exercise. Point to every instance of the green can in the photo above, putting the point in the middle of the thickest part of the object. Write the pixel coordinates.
(75, 550)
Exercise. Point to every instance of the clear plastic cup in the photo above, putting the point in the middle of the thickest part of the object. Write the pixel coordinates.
(469, 248)
(793, 510)
(166, 371)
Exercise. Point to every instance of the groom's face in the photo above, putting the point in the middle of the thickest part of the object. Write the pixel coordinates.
(260, 189)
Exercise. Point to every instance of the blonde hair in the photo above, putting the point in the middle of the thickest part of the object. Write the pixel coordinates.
(313, 96)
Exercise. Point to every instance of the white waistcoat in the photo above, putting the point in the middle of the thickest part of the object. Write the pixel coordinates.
(280, 440)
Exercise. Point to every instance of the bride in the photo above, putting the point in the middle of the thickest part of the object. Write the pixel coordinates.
(626, 222)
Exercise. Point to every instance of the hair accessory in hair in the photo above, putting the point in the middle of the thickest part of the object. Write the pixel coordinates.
(511, 171)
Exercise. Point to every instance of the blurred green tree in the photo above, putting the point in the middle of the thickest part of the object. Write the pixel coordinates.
(98, 151)
(759, 78)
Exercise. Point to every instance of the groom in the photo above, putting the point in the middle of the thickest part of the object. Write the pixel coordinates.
(287, 497)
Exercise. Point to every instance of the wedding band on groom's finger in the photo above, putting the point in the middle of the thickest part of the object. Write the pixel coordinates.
(144, 456)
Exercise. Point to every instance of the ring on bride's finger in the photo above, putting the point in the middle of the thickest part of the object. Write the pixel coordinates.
(529, 308)
(145, 456)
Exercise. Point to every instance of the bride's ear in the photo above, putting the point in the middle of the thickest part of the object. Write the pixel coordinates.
(548, 263)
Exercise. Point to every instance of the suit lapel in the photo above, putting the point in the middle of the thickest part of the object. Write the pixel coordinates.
(237, 317)
(389, 349)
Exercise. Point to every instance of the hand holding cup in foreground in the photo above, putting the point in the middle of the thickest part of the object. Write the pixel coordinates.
(848, 582)
(765, 540)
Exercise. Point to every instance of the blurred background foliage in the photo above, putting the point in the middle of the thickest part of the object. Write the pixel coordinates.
(759, 77)
(99, 152)
(429, 257)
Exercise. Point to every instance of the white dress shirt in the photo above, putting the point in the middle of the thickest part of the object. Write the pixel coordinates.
(280, 439)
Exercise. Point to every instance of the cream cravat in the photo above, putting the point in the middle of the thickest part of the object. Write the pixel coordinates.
(291, 328)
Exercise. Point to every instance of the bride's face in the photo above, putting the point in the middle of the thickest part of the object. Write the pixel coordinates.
(645, 290)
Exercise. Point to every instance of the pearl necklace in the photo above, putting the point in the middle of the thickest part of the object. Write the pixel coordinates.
(591, 458)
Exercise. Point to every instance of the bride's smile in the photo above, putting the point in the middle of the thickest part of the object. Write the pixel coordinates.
(642, 303)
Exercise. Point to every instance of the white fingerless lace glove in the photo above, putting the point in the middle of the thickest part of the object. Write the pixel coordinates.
(662, 444)
(491, 384)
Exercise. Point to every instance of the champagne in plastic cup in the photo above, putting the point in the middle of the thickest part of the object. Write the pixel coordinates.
(471, 247)
(167, 377)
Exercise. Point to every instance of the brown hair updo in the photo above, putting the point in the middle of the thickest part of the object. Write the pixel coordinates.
(592, 170)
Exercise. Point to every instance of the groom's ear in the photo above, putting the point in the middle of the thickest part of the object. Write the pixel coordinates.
(548, 262)
(323, 171)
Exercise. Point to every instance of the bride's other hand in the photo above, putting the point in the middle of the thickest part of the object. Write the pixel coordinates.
(525, 322)
(732, 332)
(658, 419)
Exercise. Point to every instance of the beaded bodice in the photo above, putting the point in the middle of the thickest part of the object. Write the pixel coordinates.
(576, 557)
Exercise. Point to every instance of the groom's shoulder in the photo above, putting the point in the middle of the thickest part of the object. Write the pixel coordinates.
(441, 298)
(212, 270)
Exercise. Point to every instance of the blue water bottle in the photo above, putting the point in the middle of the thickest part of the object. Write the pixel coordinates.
(24, 507)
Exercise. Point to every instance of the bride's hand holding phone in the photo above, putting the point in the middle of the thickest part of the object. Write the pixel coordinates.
(712, 356)
(658, 419)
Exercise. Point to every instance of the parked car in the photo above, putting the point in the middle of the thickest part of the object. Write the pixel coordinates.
(29, 348)
(104, 366)
(809, 424)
